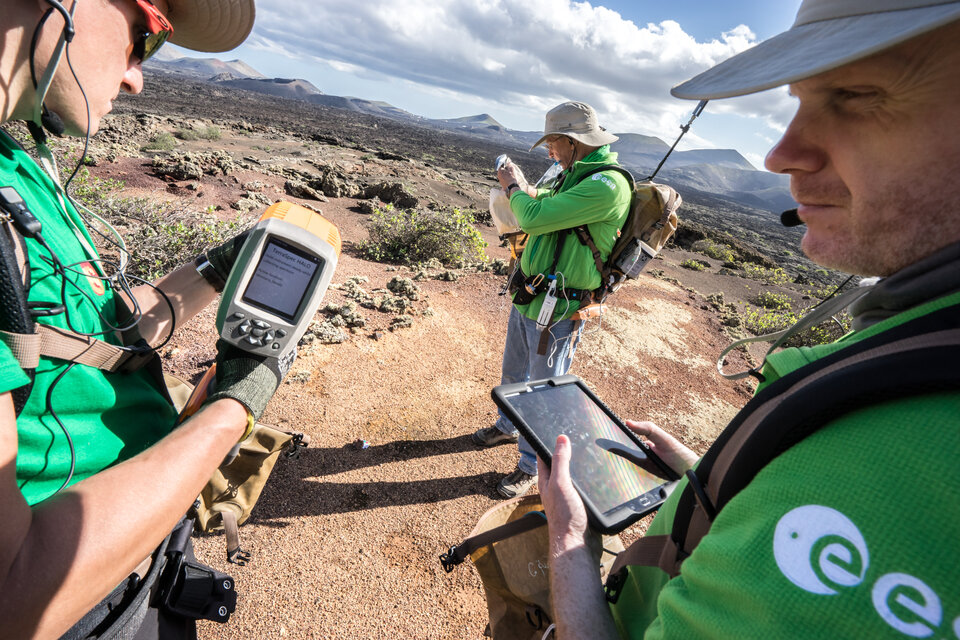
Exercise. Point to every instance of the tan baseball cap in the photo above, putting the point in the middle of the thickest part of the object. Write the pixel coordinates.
(210, 25)
(826, 34)
(575, 120)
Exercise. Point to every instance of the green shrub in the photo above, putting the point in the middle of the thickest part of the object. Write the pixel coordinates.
(92, 191)
(186, 134)
(159, 237)
(694, 265)
(716, 251)
(168, 239)
(773, 300)
(163, 141)
(759, 322)
(411, 236)
(210, 132)
(770, 276)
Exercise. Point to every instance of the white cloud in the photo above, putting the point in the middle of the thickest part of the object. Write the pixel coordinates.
(755, 159)
(526, 55)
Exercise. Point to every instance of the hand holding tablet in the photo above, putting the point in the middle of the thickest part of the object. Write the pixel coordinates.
(618, 477)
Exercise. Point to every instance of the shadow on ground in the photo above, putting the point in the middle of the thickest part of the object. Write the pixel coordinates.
(297, 487)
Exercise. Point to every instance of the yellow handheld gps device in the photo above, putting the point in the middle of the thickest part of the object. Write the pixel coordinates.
(278, 280)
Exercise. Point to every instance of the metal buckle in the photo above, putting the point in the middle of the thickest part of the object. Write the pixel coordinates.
(449, 560)
(614, 585)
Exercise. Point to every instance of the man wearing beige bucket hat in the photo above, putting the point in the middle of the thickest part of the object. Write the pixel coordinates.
(553, 254)
(850, 532)
(93, 475)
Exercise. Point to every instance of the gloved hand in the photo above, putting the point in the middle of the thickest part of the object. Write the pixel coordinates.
(222, 257)
(248, 378)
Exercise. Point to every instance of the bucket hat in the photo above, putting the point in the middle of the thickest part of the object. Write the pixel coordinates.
(210, 25)
(826, 34)
(575, 120)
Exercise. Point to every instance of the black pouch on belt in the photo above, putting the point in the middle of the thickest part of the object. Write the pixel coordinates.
(193, 590)
(526, 291)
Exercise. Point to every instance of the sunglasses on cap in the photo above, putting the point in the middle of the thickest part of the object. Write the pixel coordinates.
(158, 30)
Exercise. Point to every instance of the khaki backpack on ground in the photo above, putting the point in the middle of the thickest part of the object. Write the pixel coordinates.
(510, 548)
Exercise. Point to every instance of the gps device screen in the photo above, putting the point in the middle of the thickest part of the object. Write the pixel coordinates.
(616, 491)
(281, 279)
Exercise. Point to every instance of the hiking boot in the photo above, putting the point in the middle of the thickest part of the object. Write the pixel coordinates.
(516, 483)
(490, 436)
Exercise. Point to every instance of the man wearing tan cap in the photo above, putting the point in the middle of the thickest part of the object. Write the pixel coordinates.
(93, 476)
(852, 531)
(583, 196)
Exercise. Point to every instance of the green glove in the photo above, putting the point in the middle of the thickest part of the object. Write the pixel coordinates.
(222, 257)
(248, 378)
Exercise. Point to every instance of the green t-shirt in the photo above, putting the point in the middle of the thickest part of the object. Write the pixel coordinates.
(601, 202)
(851, 533)
(109, 417)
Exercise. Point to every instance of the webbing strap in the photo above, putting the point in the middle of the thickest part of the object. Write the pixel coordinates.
(231, 529)
(583, 234)
(62, 344)
(457, 554)
(648, 551)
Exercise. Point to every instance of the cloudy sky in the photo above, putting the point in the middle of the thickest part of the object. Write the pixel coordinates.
(514, 59)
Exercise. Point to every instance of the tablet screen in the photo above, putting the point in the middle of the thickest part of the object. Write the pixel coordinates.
(606, 478)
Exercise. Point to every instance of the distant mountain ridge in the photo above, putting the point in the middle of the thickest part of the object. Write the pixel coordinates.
(720, 171)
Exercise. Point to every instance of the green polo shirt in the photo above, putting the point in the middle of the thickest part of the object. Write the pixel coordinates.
(109, 417)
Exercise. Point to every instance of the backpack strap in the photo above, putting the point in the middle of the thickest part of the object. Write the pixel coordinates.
(63, 344)
(787, 411)
(458, 553)
(583, 234)
(14, 312)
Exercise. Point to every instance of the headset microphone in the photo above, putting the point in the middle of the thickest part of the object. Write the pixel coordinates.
(52, 122)
(789, 218)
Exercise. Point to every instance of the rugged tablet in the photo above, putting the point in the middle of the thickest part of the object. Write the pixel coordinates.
(618, 477)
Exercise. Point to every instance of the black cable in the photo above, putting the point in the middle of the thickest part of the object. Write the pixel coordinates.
(126, 289)
(86, 139)
(173, 315)
(63, 427)
(60, 269)
(835, 291)
(33, 46)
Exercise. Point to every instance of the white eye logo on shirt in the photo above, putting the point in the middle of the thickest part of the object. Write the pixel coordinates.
(607, 181)
(820, 550)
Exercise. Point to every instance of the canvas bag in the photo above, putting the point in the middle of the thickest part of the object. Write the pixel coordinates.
(515, 571)
(231, 493)
(651, 222)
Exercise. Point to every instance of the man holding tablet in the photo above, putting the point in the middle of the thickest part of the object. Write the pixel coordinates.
(851, 531)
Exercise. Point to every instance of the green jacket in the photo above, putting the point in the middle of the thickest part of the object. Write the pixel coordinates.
(110, 417)
(601, 202)
(851, 533)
